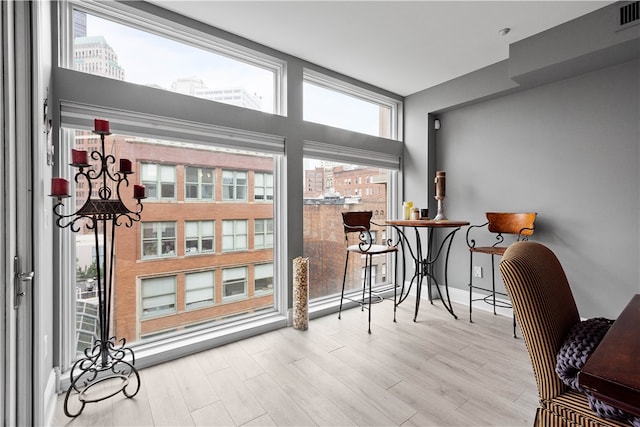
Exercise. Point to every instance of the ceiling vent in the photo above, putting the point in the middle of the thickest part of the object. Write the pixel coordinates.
(627, 15)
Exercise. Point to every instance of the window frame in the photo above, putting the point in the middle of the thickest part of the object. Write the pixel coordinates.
(265, 233)
(159, 240)
(257, 292)
(235, 186)
(200, 304)
(235, 235)
(267, 196)
(159, 182)
(245, 282)
(162, 313)
(199, 250)
(200, 184)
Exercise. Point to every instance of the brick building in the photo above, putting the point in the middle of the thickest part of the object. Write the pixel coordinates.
(203, 250)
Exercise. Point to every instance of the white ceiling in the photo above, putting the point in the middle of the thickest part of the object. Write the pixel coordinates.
(400, 46)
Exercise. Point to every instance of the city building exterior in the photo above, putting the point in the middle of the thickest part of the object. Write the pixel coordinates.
(203, 250)
(345, 189)
(229, 95)
(93, 55)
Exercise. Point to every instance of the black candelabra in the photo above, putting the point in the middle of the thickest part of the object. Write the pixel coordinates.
(108, 367)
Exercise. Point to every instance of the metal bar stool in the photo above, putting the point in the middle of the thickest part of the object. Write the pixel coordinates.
(359, 223)
(521, 225)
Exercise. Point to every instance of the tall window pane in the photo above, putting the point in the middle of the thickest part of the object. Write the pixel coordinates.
(331, 188)
(169, 265)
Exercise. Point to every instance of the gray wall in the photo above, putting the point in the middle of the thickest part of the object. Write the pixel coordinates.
(568, 150)
(554, 128)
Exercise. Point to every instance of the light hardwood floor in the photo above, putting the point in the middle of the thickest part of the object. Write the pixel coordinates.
(436, 372)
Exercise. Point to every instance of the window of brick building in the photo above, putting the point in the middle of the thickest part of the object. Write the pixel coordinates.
(158, 296)
(235, 235)
(159, 181)
(158, 239)
(234, 185)
(263, 186)
(199, 183)
(199, 237)
(263, 282)
(263, 237)
(234, 283)
(199, 289)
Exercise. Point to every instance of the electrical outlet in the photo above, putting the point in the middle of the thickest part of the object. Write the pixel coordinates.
(477, 271)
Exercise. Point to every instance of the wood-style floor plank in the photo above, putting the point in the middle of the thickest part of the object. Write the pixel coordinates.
(437, 371)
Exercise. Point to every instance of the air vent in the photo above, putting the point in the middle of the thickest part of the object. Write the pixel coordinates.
(627, 14)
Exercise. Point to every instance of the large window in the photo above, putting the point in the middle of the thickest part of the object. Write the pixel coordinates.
(170, 266)
(191, 64)
(322, 211)
(207, 250)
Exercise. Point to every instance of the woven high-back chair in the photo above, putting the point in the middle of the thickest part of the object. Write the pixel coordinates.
(546, 311)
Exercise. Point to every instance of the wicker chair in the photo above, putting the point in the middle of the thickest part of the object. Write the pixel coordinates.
(546, 310)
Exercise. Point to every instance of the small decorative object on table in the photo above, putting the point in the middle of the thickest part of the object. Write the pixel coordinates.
(440, 194)
(109, 360)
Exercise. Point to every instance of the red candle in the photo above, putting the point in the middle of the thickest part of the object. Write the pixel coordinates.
(101, 126)
(138, 191)
(125, 165)
(79, 157)
(59, 187)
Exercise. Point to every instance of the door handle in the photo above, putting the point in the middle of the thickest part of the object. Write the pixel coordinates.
(18, 279)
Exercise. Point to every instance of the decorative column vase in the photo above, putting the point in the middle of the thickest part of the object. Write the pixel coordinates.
(440, 182)
(301, 293)
(108, 367)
